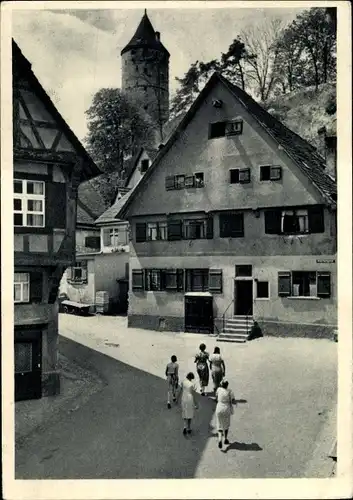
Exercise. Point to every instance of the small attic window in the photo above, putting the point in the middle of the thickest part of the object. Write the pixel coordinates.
(217, 129)
(144, 166)
(235, 127)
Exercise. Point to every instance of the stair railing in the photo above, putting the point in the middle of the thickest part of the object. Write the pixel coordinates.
(224, 315)
(247, 319)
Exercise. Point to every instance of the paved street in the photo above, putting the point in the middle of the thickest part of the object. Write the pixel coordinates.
(285, 390)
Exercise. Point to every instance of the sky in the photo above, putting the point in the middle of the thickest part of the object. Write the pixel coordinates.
(74, 53)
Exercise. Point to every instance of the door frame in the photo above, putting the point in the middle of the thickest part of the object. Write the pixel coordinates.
(241, 278)
(31, 336)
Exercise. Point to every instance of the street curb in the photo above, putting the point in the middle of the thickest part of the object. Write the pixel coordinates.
(322, 463)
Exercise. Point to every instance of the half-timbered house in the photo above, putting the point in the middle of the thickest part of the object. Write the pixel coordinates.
(49, 165)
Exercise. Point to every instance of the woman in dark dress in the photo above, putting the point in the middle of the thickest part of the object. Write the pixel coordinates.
(201, 360)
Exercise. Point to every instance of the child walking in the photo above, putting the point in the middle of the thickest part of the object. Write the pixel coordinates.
(172, 374)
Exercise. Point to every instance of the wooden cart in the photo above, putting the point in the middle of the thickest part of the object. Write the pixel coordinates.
(71, 307)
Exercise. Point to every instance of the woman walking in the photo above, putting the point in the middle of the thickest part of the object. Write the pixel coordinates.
(203, 372)
(172, 374)
(188, 402)
(218, 368)
(224, 410)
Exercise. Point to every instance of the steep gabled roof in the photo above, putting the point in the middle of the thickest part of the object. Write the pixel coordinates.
(131, 164)
(90, 204)
(111, 214)
(300, 151)
(21, 65)
(145, 36)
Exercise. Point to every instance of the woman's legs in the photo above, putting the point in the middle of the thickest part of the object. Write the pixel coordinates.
(220, 436)
(189, 425)
(185, 425)
(226, 436)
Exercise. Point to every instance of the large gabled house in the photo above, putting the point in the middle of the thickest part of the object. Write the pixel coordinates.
(49, 163)
(234, 221)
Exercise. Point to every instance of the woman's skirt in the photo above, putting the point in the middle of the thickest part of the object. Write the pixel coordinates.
(187, 406)
(172, 382)
(223, 413)
(204, 374)
(217, 378)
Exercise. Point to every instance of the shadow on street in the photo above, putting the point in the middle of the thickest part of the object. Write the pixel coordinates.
(124, 431)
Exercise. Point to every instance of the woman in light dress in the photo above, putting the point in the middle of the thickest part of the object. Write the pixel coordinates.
(172, 374)
(218, 368)
(188, 404)
(224, 410)
(201, 360)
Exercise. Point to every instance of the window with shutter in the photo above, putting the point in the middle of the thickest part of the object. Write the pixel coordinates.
(170, 278)
(323, 284)
(180, 280)
(234, 127)
(92, 242)
(174, 230)
(215, 281)
(36, 287)
(189, 181)
(273, 221)
(276, 173)
(141, 230)
(284, 284)
(137, 279)
(170, 182)
(231, 225)
(234, 176)
(316, 219)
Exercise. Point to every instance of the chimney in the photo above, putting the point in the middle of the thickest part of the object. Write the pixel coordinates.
(328, 149)
(158, 36)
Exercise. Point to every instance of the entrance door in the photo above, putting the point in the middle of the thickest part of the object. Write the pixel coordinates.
(28, 372)
(243, 293)
(199, 314)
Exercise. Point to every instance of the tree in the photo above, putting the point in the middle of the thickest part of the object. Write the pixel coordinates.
(232, 62)
(317, 36)
(191, 84)
(116, 128)
(288, 65)
(260, 42)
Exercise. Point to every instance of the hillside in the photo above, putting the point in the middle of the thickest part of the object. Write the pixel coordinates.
(306, 110)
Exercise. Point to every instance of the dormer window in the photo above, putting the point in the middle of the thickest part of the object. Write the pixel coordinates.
(225, 128)
(270, 173)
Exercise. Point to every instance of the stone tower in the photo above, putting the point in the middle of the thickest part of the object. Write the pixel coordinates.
(145, 71)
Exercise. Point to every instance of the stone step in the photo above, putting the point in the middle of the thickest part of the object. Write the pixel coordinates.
(242, 321)
(236, 329)
(231, 339)
(228, 335)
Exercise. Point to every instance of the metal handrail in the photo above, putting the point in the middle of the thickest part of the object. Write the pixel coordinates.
(224, 315)
(247, 319)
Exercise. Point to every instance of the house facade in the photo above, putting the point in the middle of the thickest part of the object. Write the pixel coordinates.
(49, 165)
(235, 218)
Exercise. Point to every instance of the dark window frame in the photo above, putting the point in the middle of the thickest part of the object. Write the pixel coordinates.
(322, 282)
(270, 173)
(231, 231)
(260, 283)
(315, 220)
(144, 165)
(235, 176)
(243, 270)
(234, 127)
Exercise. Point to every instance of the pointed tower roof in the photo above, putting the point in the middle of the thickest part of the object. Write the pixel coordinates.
(145, 36)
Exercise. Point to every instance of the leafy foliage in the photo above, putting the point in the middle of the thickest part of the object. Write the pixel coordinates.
(270, 59)
(116, 128)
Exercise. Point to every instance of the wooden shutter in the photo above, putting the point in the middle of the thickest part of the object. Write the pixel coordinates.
(324, 284)
(215, 280)
(35, 287)
(141, 229)
(174, 230)
(170, 182)
(209, 227)
(284, 284)
(106, 237)
(275, 173)
(84, 275)
(180, 280)
(244, 175)
(316, 219)
(137, 279)
(55, 205)
(170, 279)
(272, 221)
(69, 274)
